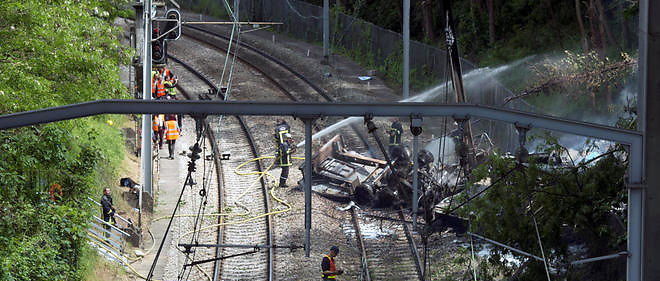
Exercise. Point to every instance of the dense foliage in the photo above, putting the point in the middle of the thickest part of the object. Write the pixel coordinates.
(579, 210)
(54, 53)
(496, 31)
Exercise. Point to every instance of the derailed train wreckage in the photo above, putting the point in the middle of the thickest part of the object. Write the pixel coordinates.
(345, 175)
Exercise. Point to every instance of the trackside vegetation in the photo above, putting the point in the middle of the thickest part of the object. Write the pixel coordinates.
(54, 53)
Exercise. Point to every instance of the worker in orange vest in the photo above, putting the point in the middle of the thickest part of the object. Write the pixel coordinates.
(155, 78)
(160, 89)
(159, 129)
(168, 75)
(328, 267)
(172, 132)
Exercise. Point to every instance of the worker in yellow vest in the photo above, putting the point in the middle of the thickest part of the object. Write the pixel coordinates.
(159, 129)
(172, 132)
(328, 267)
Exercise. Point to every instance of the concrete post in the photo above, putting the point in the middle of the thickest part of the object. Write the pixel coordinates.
(326, 32)
(139, 27)
(146, 95)
(649, 123)
(308, 183)
(406, 48)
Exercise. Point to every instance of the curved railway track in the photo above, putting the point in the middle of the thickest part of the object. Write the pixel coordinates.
(255, 232)
(374, 265)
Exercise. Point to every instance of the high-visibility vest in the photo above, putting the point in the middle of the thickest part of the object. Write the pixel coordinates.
(332, 268)
(160, 89)
(158, 122)
(166, 73)
(153, 86)
(172, 130)
(170, 90)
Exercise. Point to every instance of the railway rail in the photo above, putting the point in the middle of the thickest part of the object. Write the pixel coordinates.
(257, 232)
(369, 252)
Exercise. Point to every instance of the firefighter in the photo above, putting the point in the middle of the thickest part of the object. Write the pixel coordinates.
(328, 267)
(284, 158)
(159, 129)
(280, 129)
(172, 132)
(395, 134)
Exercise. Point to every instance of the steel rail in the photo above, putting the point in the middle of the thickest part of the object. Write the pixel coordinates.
(279, 85)
(273, 59)
(413, 248)
(325, 96)
(218, 174)
(253, 148)
(268, 77)
(311, 84)
(363, 251)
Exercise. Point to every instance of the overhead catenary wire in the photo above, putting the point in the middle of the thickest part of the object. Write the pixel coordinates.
(536, 226)
(295, 11)
(200, 214)
(191, 168)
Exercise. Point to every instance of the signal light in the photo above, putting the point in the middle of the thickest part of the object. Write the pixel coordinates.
(175, 26)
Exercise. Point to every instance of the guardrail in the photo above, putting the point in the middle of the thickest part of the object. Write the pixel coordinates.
(109, 239)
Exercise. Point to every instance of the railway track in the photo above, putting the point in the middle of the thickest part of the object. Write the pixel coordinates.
(375, 262)
(237, 140)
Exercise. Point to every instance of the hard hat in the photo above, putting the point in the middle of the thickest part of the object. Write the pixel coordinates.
(109, 122)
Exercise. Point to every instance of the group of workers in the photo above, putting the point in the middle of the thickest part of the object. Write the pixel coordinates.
(163, 84)
(165, 126)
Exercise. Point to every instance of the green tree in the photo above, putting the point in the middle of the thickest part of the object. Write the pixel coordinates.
(54, 53)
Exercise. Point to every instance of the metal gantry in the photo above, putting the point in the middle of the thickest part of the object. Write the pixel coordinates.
(308, 111)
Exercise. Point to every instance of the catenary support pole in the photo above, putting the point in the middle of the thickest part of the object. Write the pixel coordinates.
(326, 31)
(236, 14)
(415, 184)
(308, 183)
(146, 95)
(649, 123)
(406, 48)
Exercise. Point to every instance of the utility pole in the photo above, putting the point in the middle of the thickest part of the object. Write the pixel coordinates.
(236, 14)
(457, 81)
(326, 32)
(406, 48)
(146, 95)
(647, 191)
(308, 184)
